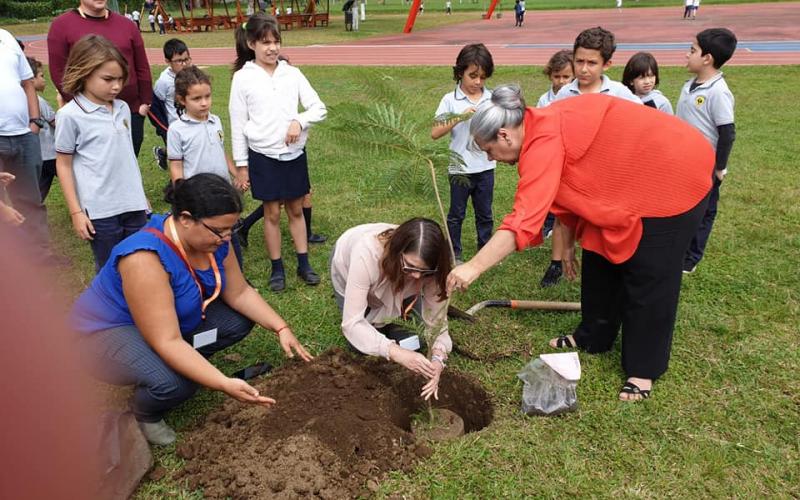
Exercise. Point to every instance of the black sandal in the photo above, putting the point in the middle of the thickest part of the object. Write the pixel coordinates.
(565, 342)
(632, 389)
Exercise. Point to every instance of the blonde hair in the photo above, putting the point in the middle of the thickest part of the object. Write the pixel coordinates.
(85, 57)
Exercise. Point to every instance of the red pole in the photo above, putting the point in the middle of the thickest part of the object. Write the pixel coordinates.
(412, 16)
(491, 9)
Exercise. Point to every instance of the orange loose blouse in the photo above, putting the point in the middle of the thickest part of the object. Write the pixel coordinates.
(600, 164)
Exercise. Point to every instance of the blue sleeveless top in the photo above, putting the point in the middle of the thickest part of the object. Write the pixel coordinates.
(103, 306)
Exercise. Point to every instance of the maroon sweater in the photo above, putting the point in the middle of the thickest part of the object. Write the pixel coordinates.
(70, 27)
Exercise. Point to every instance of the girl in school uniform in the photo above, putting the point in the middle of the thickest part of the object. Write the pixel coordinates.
(269, 136)
(196, 140)
(641, 77)
(95, 160)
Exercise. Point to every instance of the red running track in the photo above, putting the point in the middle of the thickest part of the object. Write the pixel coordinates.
(637, 29)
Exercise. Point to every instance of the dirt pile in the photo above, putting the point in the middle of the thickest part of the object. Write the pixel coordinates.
(341, 423)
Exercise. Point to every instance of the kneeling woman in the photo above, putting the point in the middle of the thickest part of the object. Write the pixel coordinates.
(168, 298)
(381, 272)
(631, 184)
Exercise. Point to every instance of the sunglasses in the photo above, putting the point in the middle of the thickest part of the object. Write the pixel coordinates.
(411, 269)
(223, 234)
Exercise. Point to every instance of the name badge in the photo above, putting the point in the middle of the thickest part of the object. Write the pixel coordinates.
(204, 338)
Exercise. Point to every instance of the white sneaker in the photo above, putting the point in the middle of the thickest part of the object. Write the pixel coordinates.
(157, 432)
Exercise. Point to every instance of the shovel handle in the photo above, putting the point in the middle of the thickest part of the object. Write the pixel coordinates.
(545, 305)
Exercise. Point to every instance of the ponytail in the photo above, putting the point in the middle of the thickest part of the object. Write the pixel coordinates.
(257, 28)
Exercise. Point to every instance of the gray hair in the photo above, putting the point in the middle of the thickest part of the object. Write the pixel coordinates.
(506, 109)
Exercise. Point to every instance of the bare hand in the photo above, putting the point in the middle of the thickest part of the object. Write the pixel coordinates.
(242, 391)
(242, 180)
(6, 178)
(413, 361)
(720, 174)
(143, 109)
(432, 387)
(570, 263)
(83, 226)
(290, 343)
(293, 134)
(461, 277)
(34, 128)
(10, 216)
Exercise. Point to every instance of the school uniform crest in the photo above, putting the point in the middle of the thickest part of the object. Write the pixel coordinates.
(699, 100)
(125, 122)
(221, 136)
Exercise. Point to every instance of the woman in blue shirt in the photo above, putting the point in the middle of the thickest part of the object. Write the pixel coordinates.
(168, 298)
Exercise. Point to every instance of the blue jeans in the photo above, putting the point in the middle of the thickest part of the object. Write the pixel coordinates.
(20, 155)
(698, 245)
(121, 356)
(109, 231)
(480, 187)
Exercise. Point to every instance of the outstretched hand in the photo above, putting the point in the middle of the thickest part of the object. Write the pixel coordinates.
(242, 391)
(461, 277)
(291, 345)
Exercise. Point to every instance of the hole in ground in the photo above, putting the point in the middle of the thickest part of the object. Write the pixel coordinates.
(339, 425)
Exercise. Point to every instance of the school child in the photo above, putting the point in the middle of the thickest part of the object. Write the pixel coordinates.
(695, 8)
(137, 16)
(160, 19)
(641, 77)
(177, 57)
(269, 137)
(474, 177)
(196, 140)
(517, 14)
(448, 7)
(521, 12)
(687, 8)
(591, 57)
(559, 71)
(95, 161)
(707, 103)
(152, 20)
(47, 143)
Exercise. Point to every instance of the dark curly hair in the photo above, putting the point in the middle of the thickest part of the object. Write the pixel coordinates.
(474, 53)
(597, 39)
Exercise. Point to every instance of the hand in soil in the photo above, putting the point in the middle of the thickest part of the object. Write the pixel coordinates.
(432, 387)
(290, 343)
(414, 361)
(244, 392)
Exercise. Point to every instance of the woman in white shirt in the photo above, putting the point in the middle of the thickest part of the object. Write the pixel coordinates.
(381, 272)
(269, 136)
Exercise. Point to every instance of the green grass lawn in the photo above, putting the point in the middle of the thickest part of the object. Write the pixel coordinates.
(723, 422)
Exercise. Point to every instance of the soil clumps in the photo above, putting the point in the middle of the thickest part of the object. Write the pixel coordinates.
(340, 424)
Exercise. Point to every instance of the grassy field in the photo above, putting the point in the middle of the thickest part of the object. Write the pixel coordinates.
(723, 422)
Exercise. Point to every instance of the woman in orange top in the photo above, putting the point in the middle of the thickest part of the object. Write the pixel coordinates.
(631, 184)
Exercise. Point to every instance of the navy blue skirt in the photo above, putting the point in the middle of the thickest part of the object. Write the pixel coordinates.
(275, 180)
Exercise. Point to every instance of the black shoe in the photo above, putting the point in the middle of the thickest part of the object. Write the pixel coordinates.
(689, 267)
(308, 276)
(317, 238)
(551, 276)
(161, 157)
(277, 282)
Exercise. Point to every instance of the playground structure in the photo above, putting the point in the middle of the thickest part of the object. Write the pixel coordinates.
(293, 14)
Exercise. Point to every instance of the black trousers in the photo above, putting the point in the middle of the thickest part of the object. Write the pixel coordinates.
(640, 295)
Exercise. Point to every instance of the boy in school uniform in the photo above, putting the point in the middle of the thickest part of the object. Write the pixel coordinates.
(47, 141)
(707, 103)
(591, 57)
(177, 57)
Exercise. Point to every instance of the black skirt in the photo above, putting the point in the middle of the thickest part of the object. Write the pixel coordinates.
(275, 180)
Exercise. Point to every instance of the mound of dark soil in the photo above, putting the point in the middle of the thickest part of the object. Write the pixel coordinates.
(340, 424)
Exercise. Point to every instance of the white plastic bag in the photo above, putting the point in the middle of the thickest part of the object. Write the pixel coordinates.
(549, 384)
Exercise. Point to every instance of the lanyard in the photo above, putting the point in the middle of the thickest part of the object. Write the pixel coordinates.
(176, 246)
(410, 306)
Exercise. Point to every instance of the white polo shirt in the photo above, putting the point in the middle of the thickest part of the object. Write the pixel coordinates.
(164, 89)
(104, 165)
(658, 100)
(457, 102)
(707, 107)
(47, 139)
(546, 98)
(199, 144)
(608, 86)
(14, 69)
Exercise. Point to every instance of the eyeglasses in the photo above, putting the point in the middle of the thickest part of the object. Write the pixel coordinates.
(411, 269)
(222, 234)
(183, 62)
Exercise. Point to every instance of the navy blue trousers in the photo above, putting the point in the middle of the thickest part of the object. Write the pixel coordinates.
(111, 230)
(697, 247)
(479, 187)
(121, 356)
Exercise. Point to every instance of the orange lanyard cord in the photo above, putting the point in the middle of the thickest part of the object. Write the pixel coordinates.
(212, 262)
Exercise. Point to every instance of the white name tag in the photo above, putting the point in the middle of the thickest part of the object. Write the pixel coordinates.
(411, 343)
(204, 338)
